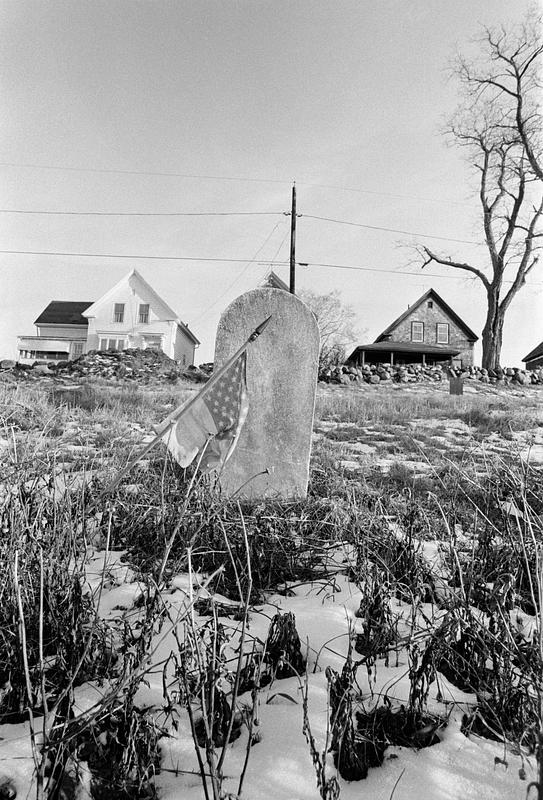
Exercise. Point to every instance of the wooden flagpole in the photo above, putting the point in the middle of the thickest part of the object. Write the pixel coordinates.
(172, 418)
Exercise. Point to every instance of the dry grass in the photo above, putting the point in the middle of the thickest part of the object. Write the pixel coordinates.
(52, 639)
(489, 413)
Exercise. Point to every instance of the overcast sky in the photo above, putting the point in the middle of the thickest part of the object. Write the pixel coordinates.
(229, 102)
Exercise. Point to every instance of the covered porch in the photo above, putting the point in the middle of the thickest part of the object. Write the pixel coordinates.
(401, 353)
(53, 348)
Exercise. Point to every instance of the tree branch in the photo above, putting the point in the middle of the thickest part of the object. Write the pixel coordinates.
(528, 260)
(448, 262)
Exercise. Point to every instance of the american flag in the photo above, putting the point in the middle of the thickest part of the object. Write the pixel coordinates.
(211, 426)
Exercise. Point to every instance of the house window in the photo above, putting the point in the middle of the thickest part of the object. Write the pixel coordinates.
(112, 344)
(118, 312)
(442, 333)
(430, 303)
(77, 349)
(417, 331)
(152, 342)
(144, 313)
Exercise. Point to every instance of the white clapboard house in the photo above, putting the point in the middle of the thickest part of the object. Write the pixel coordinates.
(131, 314)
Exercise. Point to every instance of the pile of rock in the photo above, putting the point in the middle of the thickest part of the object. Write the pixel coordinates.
(418, 373)
(377, 373)
(141, 366)
(506, 375)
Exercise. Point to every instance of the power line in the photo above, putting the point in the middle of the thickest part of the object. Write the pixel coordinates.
(390, 230)
(237, 178)
(145, 172)
(242, 273)
(122, 255)
(246, 261)
(147, 213)
(232, 214)
(420, 273)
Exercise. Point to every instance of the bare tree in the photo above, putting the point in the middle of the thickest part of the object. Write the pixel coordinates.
(500, 126)
(336, 325)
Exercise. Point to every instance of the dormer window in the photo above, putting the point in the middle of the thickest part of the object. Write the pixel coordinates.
(417, 331)
(118, 312)
(143, 313)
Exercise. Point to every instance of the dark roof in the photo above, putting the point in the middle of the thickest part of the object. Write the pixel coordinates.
(62, 312)
(405, 347)
(535, 353)
(273, 281)
(431, 293)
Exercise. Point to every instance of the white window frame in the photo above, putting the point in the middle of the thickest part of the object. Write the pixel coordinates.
(143, 316)
(414, 338)
(111, 343)
(118, 312)
(78, 349)
(439, 338)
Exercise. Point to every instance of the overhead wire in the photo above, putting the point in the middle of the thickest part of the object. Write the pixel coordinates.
(242, 273)
(391, 230)
(236, 178)
(147, 213)
(251, 261)
(125, 256)
(239, 214)
(421, 273)
(273, 262)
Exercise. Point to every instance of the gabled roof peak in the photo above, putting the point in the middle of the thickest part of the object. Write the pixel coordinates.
(133, 279)
(430, 294)
(537, 352)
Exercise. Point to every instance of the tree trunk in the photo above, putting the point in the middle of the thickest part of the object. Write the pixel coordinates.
(493, 333)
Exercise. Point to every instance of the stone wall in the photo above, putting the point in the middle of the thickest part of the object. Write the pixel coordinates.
(417, 373)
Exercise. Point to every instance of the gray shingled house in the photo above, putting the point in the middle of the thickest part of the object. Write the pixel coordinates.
(534, 359)
(428, 332)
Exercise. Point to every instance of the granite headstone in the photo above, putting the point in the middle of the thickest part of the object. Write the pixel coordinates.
(272, 455)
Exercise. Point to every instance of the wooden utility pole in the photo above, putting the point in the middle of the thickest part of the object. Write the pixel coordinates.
(293, 242)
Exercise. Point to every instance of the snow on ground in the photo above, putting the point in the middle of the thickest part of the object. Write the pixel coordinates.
(280, 766)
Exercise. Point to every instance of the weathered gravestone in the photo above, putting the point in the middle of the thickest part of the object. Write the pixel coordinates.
(456, 384)
(281, 381)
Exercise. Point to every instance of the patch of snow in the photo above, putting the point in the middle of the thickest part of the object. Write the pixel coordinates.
(360, 447)
(348, 465)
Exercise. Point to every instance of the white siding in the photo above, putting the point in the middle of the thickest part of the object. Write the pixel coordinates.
(184, 348)
(63, 331)
(103, 326)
